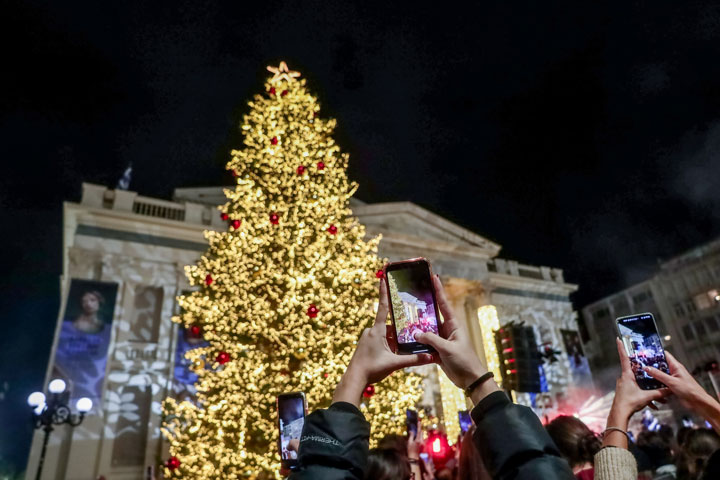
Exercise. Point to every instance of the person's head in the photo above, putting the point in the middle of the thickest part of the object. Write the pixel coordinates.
(91, 302)
(699, 445)
(444, 474)
(682, 434)
(575, 441)
(387, 464)
(470, 464)
(656, 447)
(393, 441)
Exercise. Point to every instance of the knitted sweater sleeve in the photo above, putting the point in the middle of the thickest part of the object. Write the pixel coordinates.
(612, 463)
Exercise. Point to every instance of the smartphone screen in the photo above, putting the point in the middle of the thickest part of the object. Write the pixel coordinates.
(412, 302)
(411, 422)
(291, 418)
(641, 339)
(465, 421)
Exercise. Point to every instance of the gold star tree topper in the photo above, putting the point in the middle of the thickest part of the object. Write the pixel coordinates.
(282, 73)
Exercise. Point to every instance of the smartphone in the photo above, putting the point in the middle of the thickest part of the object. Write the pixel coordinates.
(413, 303)
(291, 408)
(465, 421)
(411, 422)
(639, 335)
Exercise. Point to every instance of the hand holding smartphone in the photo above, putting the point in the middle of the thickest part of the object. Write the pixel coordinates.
(291, 408)
(639, 335)
(413, 304)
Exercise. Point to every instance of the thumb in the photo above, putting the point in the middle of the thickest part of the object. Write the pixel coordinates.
(659, 375)
(405, 361)
(435, 341)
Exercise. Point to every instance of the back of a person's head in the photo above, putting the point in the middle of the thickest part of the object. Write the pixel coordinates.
(576, 442)
(699, 445)
(657, 447)
(470, 464)
(682, 434)
(393, 441)
(387, 464)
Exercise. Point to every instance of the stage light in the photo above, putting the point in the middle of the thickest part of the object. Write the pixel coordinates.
(667, 338)
(57, 386)
(436, 446)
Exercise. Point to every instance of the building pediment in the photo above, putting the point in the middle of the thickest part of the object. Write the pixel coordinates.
(408, 220)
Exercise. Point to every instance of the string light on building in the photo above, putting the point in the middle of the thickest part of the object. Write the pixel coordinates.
(489, 322)
(453, 401)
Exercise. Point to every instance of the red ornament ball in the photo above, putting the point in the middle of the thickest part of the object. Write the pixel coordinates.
(301, 169)
(369, 391)
(274, 141)
(284, 92)
(172, 463)
(234, 172)
(321, 165)
(224, 216)
(195, 330)
(326, 375)
(312, 311)
(271, 91)
(208, 279)
(274, 218)
(332, 229)
(222, 358)
(380, 274)
(235, 224)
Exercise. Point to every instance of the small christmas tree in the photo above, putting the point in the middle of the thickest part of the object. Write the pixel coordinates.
(283, 294)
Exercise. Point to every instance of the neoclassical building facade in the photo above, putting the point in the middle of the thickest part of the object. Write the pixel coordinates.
(142, 245)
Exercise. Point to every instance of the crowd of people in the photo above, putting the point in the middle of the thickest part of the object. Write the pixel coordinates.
(506, 441)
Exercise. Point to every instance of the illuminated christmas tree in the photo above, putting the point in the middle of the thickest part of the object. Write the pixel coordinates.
(282, 296)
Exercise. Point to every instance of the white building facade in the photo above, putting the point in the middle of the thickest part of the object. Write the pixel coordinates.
(143, 244)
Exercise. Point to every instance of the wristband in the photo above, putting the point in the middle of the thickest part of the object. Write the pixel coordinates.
(484, 378)
(614, 429)
(413, 460)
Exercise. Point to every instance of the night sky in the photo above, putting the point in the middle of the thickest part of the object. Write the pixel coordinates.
(577, 136)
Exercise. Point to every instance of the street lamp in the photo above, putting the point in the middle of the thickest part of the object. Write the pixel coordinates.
(53, 410)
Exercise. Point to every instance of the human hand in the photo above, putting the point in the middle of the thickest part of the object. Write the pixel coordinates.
(373, 359)
(455, 351)
(629, 397)
(415, 444)
(688, 391)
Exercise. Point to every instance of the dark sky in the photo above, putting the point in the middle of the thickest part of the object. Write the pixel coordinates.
(577, 136)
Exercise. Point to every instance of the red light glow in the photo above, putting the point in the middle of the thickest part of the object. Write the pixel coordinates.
(436, 447)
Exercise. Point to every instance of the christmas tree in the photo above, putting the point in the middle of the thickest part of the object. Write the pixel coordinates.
(282, 297)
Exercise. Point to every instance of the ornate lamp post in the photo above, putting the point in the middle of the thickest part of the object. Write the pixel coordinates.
(53, 410)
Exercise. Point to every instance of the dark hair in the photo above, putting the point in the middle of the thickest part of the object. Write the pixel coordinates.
(386, 464)
(470, 464)
(393, 441)
(682, 434)
(576, 442)
(656, 447)
(696, 450)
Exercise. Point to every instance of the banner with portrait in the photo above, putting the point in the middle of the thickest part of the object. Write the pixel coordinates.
(579, 366)
(81, 355)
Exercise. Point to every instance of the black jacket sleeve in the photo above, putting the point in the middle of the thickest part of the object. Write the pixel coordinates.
(514, 444)
(334, 444)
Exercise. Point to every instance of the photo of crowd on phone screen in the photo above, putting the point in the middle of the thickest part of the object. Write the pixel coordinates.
(412, 303)
(291, 413)
(642, 342)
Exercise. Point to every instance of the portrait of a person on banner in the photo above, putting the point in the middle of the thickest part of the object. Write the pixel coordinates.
(82, 348)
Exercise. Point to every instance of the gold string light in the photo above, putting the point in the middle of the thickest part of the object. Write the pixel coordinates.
(277, 258)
